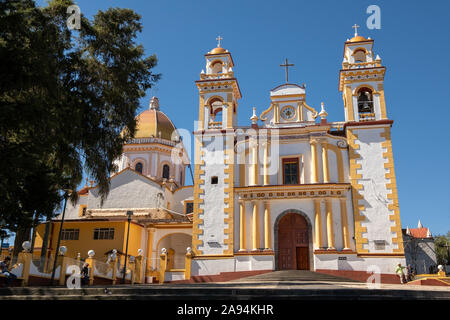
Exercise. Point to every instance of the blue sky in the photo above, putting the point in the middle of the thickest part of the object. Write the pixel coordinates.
(412, 42)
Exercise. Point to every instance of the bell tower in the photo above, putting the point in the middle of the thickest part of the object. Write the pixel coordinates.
(368, 130)
(361, 81)
(214, 155)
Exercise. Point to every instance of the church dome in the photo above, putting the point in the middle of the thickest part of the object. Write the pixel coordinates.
(152, 121)
(218, 50)
(358, 39)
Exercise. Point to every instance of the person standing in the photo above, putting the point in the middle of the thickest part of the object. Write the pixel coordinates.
(4, 269)
(399, 272)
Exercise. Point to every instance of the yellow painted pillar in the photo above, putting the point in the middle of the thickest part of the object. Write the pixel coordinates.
(344, 223)
(25, 259)
(255, 235)
(314, 166)
(254, 167)
(267, 228)
(242, 246)
(318, 224)
(132, 266)
(277, 113)
(330, 231)
(326, 172)
(138, 268)
(266, 164)
(62, 274)
(187, 264)
(149, 264)
(91, 263)
(162, 266)
(113, 265)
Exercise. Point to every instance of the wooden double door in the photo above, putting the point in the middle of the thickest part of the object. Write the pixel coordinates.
(293, 243)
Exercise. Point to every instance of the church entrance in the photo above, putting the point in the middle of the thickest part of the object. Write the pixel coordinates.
(293, 243)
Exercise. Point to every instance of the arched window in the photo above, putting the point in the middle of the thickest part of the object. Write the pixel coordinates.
(360, 56)
(166, 172)
(216, 67)
(139, 167)
(365, 101)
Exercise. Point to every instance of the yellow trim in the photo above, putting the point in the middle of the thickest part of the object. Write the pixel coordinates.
(150, 237)
(242, 242)
(348, 97)
(184, 205)
(365, 85)
(281, 96)
(330, 229)
(255, 233)
(382, 101)
(356, 196)
(344, 224)
(80, 209)
(229, 201)
(317, 224)
(315, 113)
(267, 226)
(325, 169)
(339, 162)
(392, 185)
(314, 164)
(266, 112)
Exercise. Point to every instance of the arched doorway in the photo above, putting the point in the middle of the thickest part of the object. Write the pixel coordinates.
(293, 242)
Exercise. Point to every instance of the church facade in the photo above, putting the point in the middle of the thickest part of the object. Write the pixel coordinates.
(289, 191)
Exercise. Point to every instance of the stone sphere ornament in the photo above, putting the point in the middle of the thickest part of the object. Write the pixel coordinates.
(62, 250)
(91, 253)
(26, 245)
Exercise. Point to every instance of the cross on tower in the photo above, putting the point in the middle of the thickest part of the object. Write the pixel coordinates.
(287, 65)
(356, 29)
(218, 39)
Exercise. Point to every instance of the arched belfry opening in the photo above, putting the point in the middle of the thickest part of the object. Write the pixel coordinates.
(293, 241)
(365, 100)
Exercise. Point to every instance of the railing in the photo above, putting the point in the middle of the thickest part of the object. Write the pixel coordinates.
(204, 76)
(366, 116)
(361, 65)
(215, 125)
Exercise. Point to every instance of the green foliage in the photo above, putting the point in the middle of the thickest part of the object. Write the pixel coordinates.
(68, 100)
(440, 243)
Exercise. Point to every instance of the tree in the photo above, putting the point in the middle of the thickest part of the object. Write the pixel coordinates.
(440, 243)
(68, 100)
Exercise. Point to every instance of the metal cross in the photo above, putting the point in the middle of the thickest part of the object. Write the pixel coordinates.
(356, 29)
(218, 39)
(287, 65)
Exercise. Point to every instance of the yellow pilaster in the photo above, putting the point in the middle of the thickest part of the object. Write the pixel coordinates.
(267, 228)
(266, 164)
(349, 103)
(255, 235)
(150, 237)
(162, 266)
(277, 113)
(317, 224)
(326, 172)
(242, 226)
(330, 231)
(187, 265)
(344, 223)
(254, 168)
(314, 167)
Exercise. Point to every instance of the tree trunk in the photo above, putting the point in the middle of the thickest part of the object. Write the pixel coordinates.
(33, 235)
(45, 239)
(21, 236)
